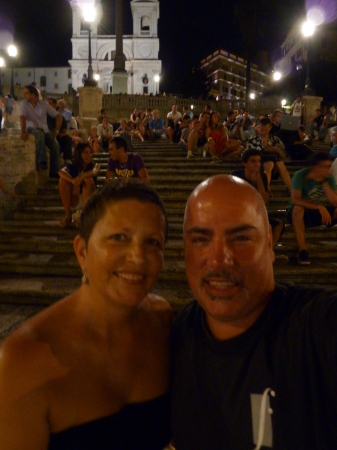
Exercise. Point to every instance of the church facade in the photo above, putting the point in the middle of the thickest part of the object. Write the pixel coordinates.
(140, 49)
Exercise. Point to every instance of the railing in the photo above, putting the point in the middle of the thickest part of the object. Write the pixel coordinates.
(122, 105)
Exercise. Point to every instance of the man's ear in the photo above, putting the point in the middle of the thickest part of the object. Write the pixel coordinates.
(81, 252)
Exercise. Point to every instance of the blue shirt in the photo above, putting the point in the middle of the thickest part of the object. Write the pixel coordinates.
(156, 124)
(333, 151)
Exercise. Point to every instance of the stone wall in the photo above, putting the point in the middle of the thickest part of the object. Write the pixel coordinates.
(17, 166)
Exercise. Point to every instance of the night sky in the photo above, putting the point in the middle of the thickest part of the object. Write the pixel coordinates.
(188, 31)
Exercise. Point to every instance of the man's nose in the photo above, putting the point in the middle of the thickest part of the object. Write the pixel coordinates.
(220, 254)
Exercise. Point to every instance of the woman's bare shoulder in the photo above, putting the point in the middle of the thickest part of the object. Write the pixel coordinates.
(27, 356)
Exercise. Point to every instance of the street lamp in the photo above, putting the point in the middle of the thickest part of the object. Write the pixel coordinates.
(2, 63)
(308, 29)
(157, 79)
(12, 52)
(277, 76)
(89, 14)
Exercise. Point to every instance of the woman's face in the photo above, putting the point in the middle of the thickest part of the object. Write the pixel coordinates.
(215, 119)
(86, 155)
(124, 254)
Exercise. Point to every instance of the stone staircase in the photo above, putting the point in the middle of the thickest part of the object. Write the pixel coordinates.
(38, 265)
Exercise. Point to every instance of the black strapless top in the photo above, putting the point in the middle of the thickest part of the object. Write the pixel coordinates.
(140, 426)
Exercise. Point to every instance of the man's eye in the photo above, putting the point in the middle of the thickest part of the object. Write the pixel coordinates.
(154, 242)
(199, 239)
(241, 238)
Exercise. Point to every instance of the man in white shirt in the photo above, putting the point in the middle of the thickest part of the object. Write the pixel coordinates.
(33, 120)
(173, 116)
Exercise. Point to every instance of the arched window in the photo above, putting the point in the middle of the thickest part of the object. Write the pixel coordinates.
(145, 25)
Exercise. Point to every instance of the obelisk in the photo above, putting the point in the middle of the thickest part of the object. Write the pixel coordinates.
(119, 75)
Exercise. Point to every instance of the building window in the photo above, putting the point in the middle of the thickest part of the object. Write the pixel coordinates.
(55, 73)
(145, 89)
(16, 74)
(70, 88)
(29, 74)
(56, 86)
(43, 81)
(69, 73)
(145, 25)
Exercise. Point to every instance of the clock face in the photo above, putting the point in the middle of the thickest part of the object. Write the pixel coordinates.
(145, 51)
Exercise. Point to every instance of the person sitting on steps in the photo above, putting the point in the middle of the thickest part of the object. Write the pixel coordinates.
(78, 177)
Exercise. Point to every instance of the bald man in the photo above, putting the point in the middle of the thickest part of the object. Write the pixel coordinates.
(254, 363)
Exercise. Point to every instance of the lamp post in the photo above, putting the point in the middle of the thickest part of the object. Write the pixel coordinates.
(157, 79)
(89, 14)
(2, 63)
(308, 29)
(12, 52)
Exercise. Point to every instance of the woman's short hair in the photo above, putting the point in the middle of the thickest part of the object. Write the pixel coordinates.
(116, 191)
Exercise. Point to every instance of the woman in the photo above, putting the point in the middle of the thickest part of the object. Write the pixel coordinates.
(140, 126)
(93, 140)
(78, 177)
(91, 371)
(218, 143)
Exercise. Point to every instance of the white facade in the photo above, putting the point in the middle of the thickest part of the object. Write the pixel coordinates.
(140, 50)
(55, 80)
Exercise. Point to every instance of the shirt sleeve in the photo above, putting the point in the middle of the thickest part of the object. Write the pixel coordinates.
(111, 166)
(138, 162)
(298, 179)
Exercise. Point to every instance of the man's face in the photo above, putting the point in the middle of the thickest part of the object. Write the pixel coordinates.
(28, 96)
(155, 115)
(264, 129)
(323, 170)
(105, 121)
(205, 118)
(228, 252)
(253, 164)
(60, 106)
(231, 118)
(113, 152)
(174, 109)
(278, 118)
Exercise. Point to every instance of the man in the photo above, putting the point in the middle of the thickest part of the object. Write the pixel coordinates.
(276, 121)
(254, 363)
(251, 160)
(33, 120)
(246, 126)
(272, 152)
(174, 133)
(105, 132)
(297, 108)
(318, 124)
(64, 140)
(9, 104)
(187, 111)
(197, 138)
(173, 117)
(304, 207)
(65, 113)
(156, 126)
(231, 125)
(123, 164)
